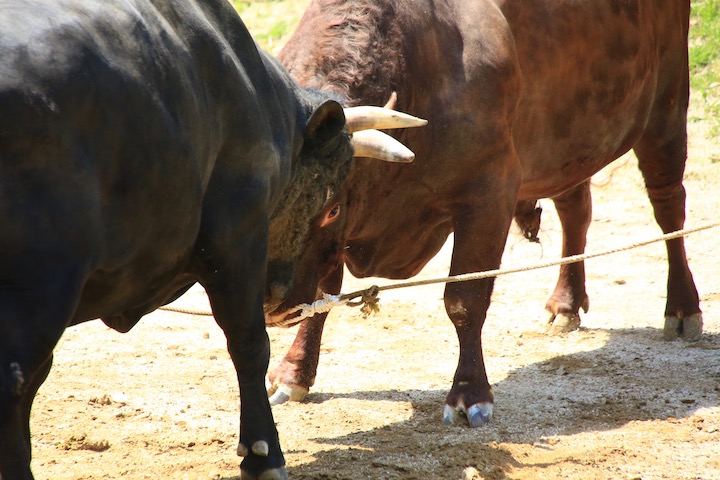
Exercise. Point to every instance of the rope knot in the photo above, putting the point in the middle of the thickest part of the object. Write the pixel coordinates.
(369, 301)
(322, 305)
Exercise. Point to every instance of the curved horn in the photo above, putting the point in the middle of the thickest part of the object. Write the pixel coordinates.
(366, 118)
(391, 101)
(376, 144)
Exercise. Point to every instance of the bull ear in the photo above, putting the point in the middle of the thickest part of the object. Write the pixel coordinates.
(326, 122)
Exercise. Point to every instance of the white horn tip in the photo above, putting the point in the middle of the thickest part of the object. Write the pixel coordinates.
(406, 158)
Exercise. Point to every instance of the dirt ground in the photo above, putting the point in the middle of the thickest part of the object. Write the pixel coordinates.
(611, 401)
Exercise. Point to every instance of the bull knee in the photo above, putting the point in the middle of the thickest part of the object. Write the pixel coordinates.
(466, 303)
(457, 312)
(463, 312)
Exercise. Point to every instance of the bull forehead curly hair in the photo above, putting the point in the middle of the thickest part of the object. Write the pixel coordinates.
(322, 166)
(336, 45)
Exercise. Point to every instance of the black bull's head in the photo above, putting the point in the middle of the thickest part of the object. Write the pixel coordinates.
(331, 131)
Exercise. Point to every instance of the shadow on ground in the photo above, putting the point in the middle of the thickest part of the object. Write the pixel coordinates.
(635, 376)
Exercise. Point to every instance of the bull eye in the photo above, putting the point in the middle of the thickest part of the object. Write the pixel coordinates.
(331, 215)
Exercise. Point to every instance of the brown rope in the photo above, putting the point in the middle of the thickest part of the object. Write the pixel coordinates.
(187, 311)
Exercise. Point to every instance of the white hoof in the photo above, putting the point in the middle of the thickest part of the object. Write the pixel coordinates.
(688, 328)
(563, 323)
(451, 415)
(288, 393)
(476, 415)
(692, 328)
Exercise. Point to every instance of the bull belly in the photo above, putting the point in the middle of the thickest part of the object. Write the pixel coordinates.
(126, 297)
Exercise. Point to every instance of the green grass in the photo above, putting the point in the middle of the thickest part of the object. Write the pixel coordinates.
(704, 58)
(271, 22)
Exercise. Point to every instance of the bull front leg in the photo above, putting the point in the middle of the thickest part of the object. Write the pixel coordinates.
(471, 395)
(234, 278)
(292, 378)
(574, 209)
(479, 240)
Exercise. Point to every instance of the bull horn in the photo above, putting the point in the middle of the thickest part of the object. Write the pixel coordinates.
(391, 101)
(376, 144)
(367, 117)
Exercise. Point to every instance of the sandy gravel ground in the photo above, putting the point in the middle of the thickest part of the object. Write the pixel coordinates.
(610, 401)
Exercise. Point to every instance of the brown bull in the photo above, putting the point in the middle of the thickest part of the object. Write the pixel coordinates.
(525, 100)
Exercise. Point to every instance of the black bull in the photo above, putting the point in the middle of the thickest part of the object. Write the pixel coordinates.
(147, 145)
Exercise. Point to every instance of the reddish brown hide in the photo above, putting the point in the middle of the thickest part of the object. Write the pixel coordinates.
(525, 100)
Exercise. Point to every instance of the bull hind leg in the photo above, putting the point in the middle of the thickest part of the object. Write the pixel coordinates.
(574, 209)
(15, 443)
(662, 166)
(29, 330)
(28, 398)
(21, 414)
(14, 446)
(661, 153)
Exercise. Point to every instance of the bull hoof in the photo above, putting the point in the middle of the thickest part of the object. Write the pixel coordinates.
(562, 323)
(273, 474)
(687, 328)
(287, 393)
(476, 415)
